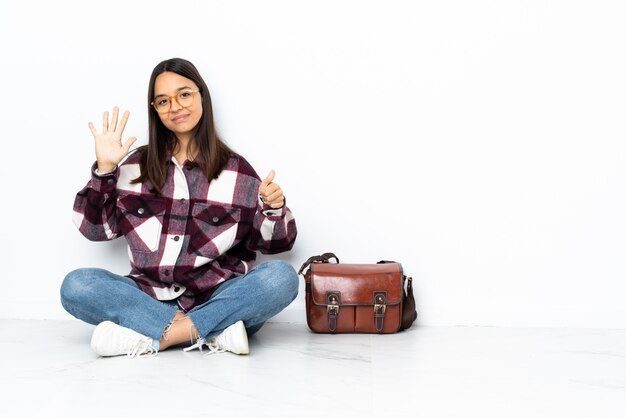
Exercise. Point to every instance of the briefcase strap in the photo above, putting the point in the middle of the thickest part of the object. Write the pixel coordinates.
(380, 306)
(324, 258)
(333, 304)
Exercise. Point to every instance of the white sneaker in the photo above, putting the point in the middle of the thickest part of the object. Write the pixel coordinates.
(233, 339)
(110, 339)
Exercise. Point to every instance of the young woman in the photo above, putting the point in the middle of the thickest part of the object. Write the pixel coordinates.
(194, 214)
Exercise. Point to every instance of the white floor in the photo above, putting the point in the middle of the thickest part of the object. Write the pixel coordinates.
(48, 370)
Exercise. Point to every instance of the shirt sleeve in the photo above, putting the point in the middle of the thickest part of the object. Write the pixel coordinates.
(95, 207)
(273, 230)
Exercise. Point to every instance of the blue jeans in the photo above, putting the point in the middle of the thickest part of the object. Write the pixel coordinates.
(95, 295)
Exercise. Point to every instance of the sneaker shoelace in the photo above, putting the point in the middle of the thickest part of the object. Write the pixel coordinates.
(141, 348)
(211, 344)
(198, 344)
(214, 346)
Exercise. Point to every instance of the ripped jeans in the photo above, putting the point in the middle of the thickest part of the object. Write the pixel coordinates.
(95, 295)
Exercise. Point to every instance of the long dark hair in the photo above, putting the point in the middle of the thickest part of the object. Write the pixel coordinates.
(213, 153)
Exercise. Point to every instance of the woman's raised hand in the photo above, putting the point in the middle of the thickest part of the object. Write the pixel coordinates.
(109, 148)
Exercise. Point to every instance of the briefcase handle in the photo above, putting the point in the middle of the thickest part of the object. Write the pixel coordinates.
(324, 258)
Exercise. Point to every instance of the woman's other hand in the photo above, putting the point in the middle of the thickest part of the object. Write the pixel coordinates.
(271, 193)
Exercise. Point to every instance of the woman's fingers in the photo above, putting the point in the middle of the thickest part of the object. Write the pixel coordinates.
(129, 143)
(109, 147)
(113, 126)
(277, 202)
(273, 196)
(268, 180)
(270, 192)
(122, 125)
(93, 129)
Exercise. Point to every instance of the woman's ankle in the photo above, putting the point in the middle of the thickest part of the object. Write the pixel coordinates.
(180, 330)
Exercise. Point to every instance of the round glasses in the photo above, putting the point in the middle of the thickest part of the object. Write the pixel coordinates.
(163, 103)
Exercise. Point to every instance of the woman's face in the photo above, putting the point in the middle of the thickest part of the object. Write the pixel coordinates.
(180, 119)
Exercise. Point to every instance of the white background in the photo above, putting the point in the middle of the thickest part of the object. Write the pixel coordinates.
(480, 143)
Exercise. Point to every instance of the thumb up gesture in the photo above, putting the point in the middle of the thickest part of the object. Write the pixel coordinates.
(271, 193)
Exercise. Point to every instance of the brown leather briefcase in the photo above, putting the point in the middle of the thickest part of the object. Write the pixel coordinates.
(361, 298)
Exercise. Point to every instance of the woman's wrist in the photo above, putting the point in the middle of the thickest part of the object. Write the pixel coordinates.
(104, 168)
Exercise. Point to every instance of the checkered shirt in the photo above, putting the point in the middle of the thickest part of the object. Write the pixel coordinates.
(194, 236)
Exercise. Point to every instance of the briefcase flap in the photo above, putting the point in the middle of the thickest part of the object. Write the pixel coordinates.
(356, 284)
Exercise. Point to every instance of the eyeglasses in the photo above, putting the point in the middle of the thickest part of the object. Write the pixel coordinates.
(163, 103)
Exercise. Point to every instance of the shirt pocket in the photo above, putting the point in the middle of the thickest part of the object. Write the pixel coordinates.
(213, 229)
(142, 222)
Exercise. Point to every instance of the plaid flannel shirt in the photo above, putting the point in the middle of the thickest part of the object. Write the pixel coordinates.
(194, 236)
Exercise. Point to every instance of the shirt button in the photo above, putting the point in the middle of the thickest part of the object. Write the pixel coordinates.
(166, 272)
(182, 200)
(176, 238)
(140, 211)
(176, 288)
(110, 181)
(215, 219)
